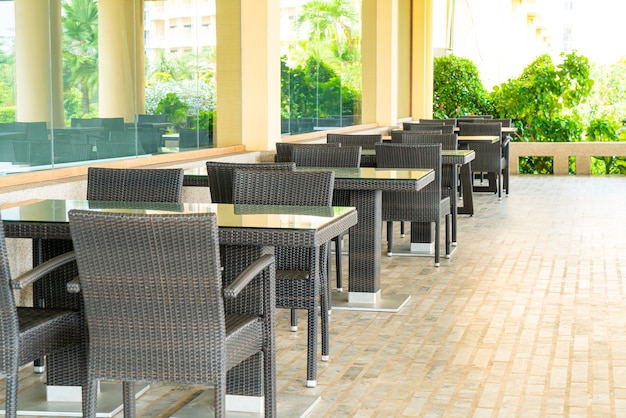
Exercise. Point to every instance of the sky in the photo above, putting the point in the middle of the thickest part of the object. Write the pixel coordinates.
(599, 28)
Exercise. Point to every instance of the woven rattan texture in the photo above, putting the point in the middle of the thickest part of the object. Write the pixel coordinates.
(153, 294)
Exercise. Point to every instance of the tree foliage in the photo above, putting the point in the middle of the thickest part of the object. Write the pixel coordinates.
(543, 99)
(457, 88)
(80, 48)
(315, 91)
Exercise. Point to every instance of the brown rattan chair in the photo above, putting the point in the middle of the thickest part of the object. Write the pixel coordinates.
(135, 185)
(301, 281)
(489, 156)
(158, 309)
(221, 176)
(426, 205)
(347, 156)
(26, 333)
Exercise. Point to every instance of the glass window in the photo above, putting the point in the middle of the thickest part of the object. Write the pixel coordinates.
(79, 99)
(320, 65)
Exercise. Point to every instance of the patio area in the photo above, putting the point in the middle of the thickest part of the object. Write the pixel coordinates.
(527, 319)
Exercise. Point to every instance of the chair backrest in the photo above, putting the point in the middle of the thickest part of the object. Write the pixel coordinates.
(9, 330)
(412, 156)
(445, 129)
(488, 156)
(447, 121)
(151, 118)
(405, 136)
(37, 131)
(480, 128)
(135, 185)
(506, 122)
(298, 188)
(327, 157)
(154, 309)
(193, 138)
(284, 150)
(83, 123)
(365, 141)
(112, 125)
(447, 141)
(221, 176)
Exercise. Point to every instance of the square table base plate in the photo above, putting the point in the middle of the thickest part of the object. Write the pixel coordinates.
(287, 406)
(385, 303)
(413, 250)
(32, 402)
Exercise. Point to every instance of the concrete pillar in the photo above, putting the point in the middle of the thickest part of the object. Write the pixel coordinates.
(121, 58)
(248, 73)
(379, 56)
(38, 62)
(422, 62)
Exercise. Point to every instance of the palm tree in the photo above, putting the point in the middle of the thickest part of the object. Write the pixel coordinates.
(332, 22)
(80, 47)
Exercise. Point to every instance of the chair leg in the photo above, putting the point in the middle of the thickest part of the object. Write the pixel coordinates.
(402, 234)
(448, 240)
(311, 361)
(90, 393)
(11, 396)
(389, 238)
(294, 320)
(338, 269)
(499, 174)
(128, 388)
(437, 238)
(269, 378)
(220, 397)
(324, 311)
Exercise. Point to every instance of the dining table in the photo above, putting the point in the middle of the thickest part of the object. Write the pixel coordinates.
(254, 228)
(467, 190)
(364, 186)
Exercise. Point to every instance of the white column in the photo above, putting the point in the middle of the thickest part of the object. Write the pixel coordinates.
(38, 61)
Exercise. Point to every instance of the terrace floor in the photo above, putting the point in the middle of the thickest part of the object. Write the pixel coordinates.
(527, 319)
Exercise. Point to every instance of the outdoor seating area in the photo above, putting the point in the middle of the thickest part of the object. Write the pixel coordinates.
(267, 225)
(478, 334)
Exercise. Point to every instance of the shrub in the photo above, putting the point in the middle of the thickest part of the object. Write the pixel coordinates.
(458, 89)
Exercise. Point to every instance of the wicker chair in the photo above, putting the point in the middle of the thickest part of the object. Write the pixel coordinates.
(26, 334)
(146, 298)
(135, 185)
(426, 205)
(433, 126)
(489, 157)
(447, 121)
(448, 142)
(300, 272)
(221, 176)
(347, 156)
(365, 141)
(284, 150)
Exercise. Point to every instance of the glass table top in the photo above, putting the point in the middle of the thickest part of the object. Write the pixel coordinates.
(228, 215)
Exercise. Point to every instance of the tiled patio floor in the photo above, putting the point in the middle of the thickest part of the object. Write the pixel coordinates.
(528, 319)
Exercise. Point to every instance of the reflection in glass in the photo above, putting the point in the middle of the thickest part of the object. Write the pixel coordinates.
(81, 81)
(320, 65)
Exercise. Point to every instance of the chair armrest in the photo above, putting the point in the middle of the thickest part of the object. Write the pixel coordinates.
(232, 290)
(31, 276)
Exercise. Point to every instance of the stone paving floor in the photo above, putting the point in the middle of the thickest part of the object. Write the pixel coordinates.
(527, 319)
